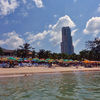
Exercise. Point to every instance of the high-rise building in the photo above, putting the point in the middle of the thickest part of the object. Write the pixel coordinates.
(66, 44)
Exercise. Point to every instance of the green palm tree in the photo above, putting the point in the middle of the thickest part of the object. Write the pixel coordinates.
(1, 51)
(41, 53)
(33, 53)
(24, 49)
(54, 56)
(19, 53)
(47, 54)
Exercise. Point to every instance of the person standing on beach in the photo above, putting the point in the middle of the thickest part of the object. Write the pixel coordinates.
(50, 65)
(11, 64)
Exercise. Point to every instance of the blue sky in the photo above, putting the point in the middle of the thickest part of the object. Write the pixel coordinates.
(39, 22)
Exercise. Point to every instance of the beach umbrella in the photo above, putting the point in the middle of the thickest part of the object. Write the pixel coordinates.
(25, 59)
(42, 60)
(51, 60)
(48, 59)
(86, 61)
(11, 58)
(76, 61)
(61, 60)
(66, 60)
(30, 59)
(36, 60)
(20, 59)
(70, 60)
(0, 58)
(4, 59)
(33, 59)
(17, 58)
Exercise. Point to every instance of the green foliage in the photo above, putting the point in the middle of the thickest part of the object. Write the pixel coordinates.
(92, 53)
(94, 49)
(1, 51)
(33, 53)
(41, 53)
(23, 50)
(44, 54)
(94, 45)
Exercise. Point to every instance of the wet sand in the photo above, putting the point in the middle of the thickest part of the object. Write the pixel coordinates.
(25, 71)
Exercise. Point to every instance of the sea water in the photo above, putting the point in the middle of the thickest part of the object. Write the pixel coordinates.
(54, 86)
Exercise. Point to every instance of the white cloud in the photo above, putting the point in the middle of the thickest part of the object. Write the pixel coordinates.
(29, 6)
(75, 1)
(6, 22)
(50, 26)
(55, 16)
(24, 1)
(38, 43)
(76, 42)
(7, 6)
(92, 26)
(54, 31)
(73, 32)
(12, 41)
(1, 43)
(81, 15)
(23, 12)
(40, 36)
(38, 3)
(98, 9)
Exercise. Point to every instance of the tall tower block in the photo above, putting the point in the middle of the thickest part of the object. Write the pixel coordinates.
(66, 44)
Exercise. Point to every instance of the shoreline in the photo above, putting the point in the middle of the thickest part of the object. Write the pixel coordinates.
(26, 71)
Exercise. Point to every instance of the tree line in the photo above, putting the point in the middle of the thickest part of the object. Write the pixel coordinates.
(92, 52)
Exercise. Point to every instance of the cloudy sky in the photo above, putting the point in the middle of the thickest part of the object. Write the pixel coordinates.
(39, 22)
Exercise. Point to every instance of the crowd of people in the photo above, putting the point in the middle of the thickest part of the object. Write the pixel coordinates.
(79, 63)
(13, 64)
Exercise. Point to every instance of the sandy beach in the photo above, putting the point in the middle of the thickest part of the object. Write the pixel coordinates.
(24, 71)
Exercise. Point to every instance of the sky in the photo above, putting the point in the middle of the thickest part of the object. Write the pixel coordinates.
(39, 22)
